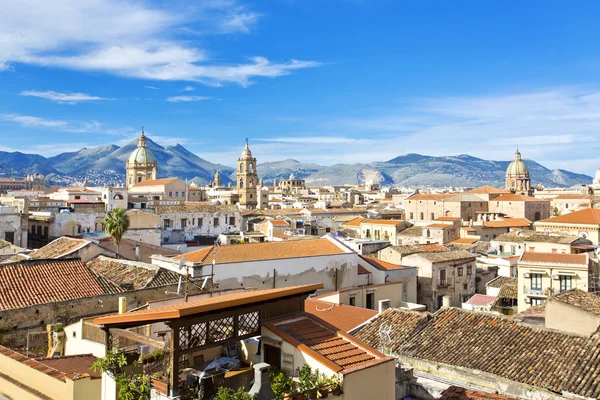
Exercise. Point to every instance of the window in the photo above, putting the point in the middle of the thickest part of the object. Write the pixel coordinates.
(352, 301)
(200, 222)
(566, 283)
(368, 233)
(167, 223)
(465, 286)
(183, 223)
(537, 216)
(176, 194)
(77, 197)
(139, 179)
(241, 183)
(231, 220)
(371, 301)
(554, 251)
(216, 221)
(422, 217)
(535, 302)
(460, 271)
(501, 248)
(442, 276)
(428, 233)
(536, 281)
(432, 216)
(469, 270)
(9, 237)
(170, 194)
(513, 250)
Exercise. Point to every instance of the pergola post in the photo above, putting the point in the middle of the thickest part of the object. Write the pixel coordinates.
(174, 361)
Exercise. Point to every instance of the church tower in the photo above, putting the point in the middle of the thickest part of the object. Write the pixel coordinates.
(141, 165)
(217, 180)
(247, 179)
(517, 177)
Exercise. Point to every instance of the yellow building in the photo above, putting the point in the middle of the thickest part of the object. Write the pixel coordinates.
(65, 378)
(141, 165)
(381, 229)
(584, 223)
(541, 275)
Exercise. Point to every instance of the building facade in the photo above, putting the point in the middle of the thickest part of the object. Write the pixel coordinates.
(247, 180)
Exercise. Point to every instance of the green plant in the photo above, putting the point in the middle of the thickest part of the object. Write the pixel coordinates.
(224, 393)
(307, 379)
(129, 386)
(280, 383)
(116, 224)
(335, 383)
(57, 327)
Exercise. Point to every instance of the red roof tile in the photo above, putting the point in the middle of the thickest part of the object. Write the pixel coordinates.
(518, 197)
(554, 258)
(27, 283)
(487, 190)
(459, 393)
(587, 216)
(382, 265)
(341, 316)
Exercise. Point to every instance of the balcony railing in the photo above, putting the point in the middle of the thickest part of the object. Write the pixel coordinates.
(443, 283)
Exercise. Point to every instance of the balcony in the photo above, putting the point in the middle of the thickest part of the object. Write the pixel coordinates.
(529, 292)
(444, 283)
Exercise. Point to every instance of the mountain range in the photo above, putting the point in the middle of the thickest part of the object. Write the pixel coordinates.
(106, 165)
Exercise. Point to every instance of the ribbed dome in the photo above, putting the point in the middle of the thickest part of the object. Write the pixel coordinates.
(142, 154)
(517, 167)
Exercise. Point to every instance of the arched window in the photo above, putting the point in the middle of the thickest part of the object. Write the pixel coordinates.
(251, 169)
(428, 233)
(421, 216)
(39, 230)
(432, 216)
(411, 216)
(537, 216)
(251, 196)
(251, 183)
(241, 183)
(241, 167)
(118, 196)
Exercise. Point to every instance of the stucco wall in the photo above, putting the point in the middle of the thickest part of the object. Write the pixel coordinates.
(377, 382)
(12, 223)
(565, 317)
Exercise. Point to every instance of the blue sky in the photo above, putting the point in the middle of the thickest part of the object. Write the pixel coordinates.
(326, 81)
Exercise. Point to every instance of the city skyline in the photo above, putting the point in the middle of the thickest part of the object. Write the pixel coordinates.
(318, 83)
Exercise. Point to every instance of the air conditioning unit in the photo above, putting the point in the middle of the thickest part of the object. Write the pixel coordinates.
(526, 275)
(555, 277)
(527, 300)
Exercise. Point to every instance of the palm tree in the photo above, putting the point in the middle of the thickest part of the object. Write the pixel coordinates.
(116, 224)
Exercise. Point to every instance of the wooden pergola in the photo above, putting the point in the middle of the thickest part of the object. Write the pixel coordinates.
(206, 323)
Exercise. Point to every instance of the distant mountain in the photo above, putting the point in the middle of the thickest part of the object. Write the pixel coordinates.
(106, 165)
(418, 170)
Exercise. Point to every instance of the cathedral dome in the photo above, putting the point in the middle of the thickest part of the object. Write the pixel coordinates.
(246, 153)
(142, 155)
(517, 167)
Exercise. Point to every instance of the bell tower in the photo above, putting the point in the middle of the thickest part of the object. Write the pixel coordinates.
(247, 179)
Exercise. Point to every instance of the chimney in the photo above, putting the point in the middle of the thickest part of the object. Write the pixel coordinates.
(446, 301)
(137, 252)
(384, 305)
(261, 390)
(122, 305)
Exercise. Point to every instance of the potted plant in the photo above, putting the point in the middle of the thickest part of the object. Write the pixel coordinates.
(323, 383)
(336, 385)
(281, 385)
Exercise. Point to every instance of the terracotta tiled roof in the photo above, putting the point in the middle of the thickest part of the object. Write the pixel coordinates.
(585, 377)
(535, 237)
(264, 251)
(464, 241)
(412, 231)
(154, 182)
(382, 222)
(587, 216)
(279, 222)
(432, 247)
(430, 196)
(507, 222)
(355, 223)
(518, 197)
(573, 197)
(61, 247)
(402, 324)
(179, 310)
(343, 317)
(416, 248)
(61, 368)
(382, 265)
(446, 218)
(439, 226)
(196, 208)
(487, 190)
(459, 393)
(480, 299)
(451, 255)
(554, 258)
(501, 281)
(27, 283)
(132, 275)
(587, 301)
(336, 350)
(502, 346)
(127, 249)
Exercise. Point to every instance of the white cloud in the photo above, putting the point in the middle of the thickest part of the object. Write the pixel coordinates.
(189, 89)
(151, 87)
(179, 99)
(68, 98)
(317, 140)
(130, 38)
(93, 126)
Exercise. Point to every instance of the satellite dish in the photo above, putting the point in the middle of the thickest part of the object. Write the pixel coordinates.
(182, 262)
